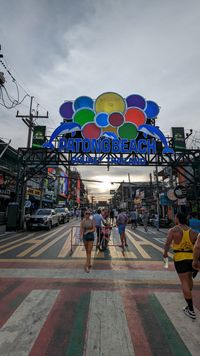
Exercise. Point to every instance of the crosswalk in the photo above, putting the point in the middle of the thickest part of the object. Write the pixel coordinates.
(108, 324)
(64, 242)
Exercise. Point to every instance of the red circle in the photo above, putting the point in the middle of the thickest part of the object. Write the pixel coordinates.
(136, 116)
(116, 119)
(91, 131)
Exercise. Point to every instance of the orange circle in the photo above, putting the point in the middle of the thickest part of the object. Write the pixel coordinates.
(136, 116)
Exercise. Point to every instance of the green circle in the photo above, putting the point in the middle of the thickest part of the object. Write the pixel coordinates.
(128, 131)
(83, 116)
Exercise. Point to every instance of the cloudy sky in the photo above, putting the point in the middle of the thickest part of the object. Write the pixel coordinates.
(59, 50)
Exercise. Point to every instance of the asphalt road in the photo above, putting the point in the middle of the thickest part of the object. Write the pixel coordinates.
(127, 305)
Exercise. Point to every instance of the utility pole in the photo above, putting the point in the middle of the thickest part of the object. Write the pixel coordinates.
(29, 121)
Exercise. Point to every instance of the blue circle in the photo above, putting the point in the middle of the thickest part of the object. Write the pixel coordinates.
(102, 119)
(83, 102)
(152, 109)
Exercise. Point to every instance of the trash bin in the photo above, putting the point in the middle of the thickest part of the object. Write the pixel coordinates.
(12, 217)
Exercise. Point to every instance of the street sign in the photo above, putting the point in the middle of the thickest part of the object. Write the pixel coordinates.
(27, 204)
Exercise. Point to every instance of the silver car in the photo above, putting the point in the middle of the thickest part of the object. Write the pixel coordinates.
(44, 218)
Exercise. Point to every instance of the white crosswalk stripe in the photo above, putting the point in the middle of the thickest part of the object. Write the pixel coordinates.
(19, 333)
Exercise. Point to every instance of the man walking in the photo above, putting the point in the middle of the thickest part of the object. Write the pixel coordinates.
(182, 239)
(121, 224)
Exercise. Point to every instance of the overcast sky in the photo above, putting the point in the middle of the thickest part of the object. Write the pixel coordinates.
(59, 50)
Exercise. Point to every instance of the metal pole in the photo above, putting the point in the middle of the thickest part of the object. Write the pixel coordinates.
(30, 123)
(23, 198)
(157, 196)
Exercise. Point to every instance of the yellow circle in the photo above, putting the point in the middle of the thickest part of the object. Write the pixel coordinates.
(109, 103)
(110, 129)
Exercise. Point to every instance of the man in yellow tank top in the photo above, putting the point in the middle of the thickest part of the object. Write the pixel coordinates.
(181, 238)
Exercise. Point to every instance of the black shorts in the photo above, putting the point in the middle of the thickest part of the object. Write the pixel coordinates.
(184, 266)
(89, 236)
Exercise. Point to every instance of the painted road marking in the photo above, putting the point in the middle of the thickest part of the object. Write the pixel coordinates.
(18, 243)
(107, 332)
(69, 273)
(35, 245)
(188, 329)
(66, 248)
(162, 241)
(19, 333)
(149, 243)
(138, 246)
(46, 247)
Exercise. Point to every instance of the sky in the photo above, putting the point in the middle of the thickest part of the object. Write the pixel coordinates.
(59, 50)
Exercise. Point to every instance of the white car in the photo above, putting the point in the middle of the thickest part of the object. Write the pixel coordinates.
(43, 218)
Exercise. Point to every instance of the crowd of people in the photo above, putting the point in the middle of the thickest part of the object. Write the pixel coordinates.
(184, 241)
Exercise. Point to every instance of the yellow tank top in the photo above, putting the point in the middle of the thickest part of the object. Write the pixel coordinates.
(183, 250)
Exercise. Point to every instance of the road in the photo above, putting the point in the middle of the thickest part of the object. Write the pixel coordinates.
(127, 305)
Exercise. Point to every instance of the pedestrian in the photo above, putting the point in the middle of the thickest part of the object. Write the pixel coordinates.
(145, 220)
(98, 220)
(196, 256)
(133, 217)
(112, 217)
(156, 221)
(87, 229)
(121, 224)
(182, 239)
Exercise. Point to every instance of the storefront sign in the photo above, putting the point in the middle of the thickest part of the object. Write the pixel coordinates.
(171, 195)
(109, 124)
(180, 192)
(32, 191)
(38, 136)
(178, 134)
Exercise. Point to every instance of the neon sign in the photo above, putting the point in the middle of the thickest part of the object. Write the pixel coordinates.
(109, 124)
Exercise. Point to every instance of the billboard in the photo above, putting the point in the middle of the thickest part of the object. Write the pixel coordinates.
(108, 124)
(178, 134)
(38, 136)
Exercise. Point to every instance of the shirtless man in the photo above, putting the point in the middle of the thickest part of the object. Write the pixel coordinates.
(182, 239)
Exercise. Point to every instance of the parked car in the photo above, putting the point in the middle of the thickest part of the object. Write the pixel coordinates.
(64, 214)
(43, 218)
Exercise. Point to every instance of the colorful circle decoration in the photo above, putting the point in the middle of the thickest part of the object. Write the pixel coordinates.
(83, 102)
(91, 131)
(110, 115)
(116, 119)
(128, 131)
(110, 102)
(102, 119)
(136, 100)
(84, 116)
(136, 116)
(152, 109)
(66, 110)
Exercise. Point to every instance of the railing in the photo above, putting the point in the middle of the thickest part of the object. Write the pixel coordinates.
(103, 238)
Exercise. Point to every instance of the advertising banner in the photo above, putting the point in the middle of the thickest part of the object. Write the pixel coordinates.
(38, 136)
(178, 134)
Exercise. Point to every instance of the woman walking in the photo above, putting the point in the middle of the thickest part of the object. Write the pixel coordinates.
(87, 229)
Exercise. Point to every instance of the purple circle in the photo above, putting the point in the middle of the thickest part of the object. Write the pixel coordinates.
(66, 110)
(135, 100)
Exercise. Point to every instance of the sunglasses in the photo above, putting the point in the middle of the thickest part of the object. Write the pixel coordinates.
(87, 213)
